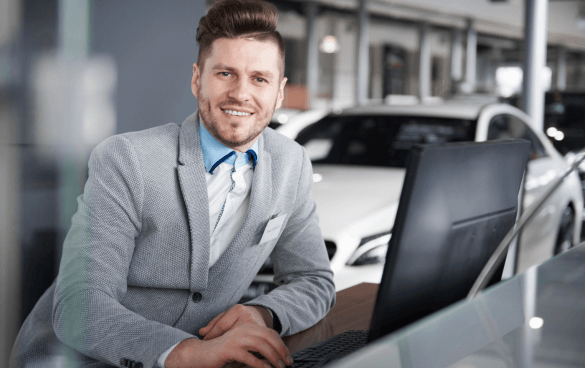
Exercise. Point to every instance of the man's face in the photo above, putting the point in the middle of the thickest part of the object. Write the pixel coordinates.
(238, 90)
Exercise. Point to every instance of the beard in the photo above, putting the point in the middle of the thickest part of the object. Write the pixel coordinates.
(213, 125)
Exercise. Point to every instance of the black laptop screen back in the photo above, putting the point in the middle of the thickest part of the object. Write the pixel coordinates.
(457, 203)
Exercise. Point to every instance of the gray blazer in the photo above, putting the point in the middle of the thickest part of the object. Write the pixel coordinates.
(134, 277)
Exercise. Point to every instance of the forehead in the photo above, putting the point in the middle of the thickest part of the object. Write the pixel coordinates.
(244, 54)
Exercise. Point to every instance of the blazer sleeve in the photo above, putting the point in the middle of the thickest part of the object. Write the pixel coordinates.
(306, 291)
(87, 314)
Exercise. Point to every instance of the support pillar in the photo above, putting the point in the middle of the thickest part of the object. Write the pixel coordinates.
(471, 57)
(577, 79)
(363, 54)
(494, 60)
(561, 81)
(536, 13)
(424, 72)
(10, 247)
(312, 52)
(457, 56)
(73, 49)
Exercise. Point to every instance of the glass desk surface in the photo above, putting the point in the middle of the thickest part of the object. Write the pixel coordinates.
(535, 319)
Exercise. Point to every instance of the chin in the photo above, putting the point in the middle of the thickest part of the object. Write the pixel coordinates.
(233, 140)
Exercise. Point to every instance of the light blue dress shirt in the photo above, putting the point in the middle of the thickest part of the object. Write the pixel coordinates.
(215, 153)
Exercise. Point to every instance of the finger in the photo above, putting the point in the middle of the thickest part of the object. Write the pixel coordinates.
(268, 343)
(204, 330)
(280, 347)
(249, 360)
(224, 324)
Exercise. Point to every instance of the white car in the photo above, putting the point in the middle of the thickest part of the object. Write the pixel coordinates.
(284, 119)
(359, 159)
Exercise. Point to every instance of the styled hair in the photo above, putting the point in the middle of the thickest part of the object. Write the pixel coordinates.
(251, 19)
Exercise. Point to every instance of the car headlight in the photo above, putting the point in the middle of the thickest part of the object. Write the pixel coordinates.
(371, 250)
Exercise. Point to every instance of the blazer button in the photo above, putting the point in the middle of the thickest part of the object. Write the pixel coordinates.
(196, 297)
(123, 362)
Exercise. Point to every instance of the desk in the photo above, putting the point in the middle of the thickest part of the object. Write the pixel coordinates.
(352, 311)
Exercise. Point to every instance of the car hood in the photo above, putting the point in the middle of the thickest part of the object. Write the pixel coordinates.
(356, 201)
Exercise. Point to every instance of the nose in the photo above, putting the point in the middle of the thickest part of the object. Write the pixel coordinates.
(240, 90)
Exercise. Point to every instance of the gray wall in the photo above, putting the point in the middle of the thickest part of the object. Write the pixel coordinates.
(153, 43)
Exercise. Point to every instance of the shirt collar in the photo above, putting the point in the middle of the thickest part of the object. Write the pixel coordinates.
(215, 153)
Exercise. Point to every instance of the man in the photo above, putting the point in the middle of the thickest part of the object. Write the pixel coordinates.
(176, 221)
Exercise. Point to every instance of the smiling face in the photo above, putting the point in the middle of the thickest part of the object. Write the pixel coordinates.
(238, 89)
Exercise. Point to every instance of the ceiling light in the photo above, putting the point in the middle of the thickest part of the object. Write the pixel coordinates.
(329, 45)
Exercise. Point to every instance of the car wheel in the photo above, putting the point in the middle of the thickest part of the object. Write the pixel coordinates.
(566, 230)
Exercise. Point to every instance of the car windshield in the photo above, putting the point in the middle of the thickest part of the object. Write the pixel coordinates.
(378, 140)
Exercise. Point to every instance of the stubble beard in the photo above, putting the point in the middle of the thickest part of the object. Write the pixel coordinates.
(212, 124)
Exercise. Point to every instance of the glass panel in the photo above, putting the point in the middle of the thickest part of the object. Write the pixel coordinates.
(531, 320)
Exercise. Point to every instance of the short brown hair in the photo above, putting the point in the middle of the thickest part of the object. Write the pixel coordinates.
(254, 19)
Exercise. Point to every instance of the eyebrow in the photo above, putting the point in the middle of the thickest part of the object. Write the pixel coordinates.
(263, 73)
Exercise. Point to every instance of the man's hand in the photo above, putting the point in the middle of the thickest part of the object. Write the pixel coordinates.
(235, 316)
(236, 345)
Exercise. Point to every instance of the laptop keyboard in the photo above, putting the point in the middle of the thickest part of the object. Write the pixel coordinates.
(333, 348)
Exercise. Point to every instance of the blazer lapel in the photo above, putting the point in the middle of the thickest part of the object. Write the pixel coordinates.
(194, 189)
(260, 196)
(258, 212)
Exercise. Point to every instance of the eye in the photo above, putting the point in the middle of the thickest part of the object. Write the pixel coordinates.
(261, 80)
(225, 74)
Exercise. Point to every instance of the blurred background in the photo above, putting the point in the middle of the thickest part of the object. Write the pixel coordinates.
(73, 72)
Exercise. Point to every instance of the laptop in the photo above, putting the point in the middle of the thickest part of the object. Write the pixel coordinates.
(458, 202)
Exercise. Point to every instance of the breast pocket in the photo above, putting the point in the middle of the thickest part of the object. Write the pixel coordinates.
(273, 229)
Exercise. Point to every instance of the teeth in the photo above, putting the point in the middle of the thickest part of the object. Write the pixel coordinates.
(237, 113)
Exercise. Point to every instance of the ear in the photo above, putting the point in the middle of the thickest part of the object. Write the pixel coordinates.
(195, 80)
(280, 95)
